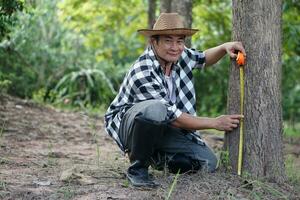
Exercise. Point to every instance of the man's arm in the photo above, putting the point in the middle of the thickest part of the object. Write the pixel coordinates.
(222, 123)
(213, 55)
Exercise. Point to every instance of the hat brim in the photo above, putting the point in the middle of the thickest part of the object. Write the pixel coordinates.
(177, 31)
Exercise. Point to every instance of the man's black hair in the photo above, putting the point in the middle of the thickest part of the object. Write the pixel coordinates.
(156, 37)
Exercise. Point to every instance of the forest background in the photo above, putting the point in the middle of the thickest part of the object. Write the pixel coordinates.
(74, 54)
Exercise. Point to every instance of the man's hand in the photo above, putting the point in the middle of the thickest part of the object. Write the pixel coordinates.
(231, 48)
(227, 122)
(213, 55)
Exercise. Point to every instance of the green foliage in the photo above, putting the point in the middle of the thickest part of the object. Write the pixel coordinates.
(214, 22)
(79, 51)
(7, 20)
(41, 52)
(291, 60)
(291, 129)
(4, 85)
(84, 87)
(292, 172)
(224, 161)
(173, 185)
(109, 27)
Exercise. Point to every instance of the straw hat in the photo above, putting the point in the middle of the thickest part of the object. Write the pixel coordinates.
(168, 24)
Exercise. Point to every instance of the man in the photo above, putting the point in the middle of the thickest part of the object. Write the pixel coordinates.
(153, 117)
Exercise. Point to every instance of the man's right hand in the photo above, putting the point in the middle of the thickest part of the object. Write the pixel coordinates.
(227, 122)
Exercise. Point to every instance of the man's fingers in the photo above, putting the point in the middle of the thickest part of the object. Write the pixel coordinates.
(241, 48)
(232, 54)
(235, 121)
(237, 116)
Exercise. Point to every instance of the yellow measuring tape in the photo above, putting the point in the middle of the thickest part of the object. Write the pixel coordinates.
(240, 60)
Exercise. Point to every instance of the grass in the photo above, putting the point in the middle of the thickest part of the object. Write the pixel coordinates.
(223, 160)
(259, 190)
(51, 160)
(291, 130)
(2, 131)
(292, 172)
(4, 160)
(173, 185)
(67, 192)
(3, 185)
(98, 156)
(3, 189)
(94, 131)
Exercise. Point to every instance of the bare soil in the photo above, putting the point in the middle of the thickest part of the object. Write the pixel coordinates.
(46, 153)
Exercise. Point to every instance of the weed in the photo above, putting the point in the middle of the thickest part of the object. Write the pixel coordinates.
(293, 174)
(2, 131)
(246, 176)
(67, 192)
(173, 185)
(126, 183)
(291, 130)
(51, 161)
(224, 161)
(4, 161)
(3, 185)
(98, 155)
(94, 132)
(259, 190)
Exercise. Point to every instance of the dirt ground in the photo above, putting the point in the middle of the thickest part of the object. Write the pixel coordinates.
(46, 153)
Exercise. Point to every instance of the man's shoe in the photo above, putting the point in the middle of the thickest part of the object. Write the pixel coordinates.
(138, 176)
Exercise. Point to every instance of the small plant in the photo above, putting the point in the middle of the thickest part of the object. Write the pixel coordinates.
(291, 171)
(3, 185)
(67, 191)
(98, 155)
(4, 85)
(94, 132)
(4, 161)
(224, 161)
(83, 87)
(126, 183)
(173, 185)
(51, 161)
(2, 129)
(259, 189)
(3, 189)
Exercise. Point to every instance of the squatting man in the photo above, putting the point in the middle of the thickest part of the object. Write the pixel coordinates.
(153, 117)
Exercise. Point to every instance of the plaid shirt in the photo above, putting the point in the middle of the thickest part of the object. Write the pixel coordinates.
(145, 80)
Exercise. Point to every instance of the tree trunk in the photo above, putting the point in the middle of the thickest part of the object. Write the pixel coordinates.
(183, 8)
(257, 24)
(151, 13)
(165, 6)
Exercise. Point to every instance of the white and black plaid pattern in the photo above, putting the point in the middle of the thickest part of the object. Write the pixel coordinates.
(145, 80)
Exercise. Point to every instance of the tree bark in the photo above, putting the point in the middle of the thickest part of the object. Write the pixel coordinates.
(257, 24)
(183, 8)
(165, 6)
(151, 13)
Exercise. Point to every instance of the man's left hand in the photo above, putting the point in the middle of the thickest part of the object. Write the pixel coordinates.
(232, 47)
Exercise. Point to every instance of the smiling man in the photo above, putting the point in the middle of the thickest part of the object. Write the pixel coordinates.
(153, 118)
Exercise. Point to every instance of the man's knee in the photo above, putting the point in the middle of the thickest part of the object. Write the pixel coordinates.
(180, 163)
(185, 163)
(212, 162)
(155, 110)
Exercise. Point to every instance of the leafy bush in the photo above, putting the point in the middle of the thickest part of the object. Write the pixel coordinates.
(43, 55)
(83, 87)
(7, 19)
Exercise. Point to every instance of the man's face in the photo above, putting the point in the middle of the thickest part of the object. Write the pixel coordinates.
(169, 47)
